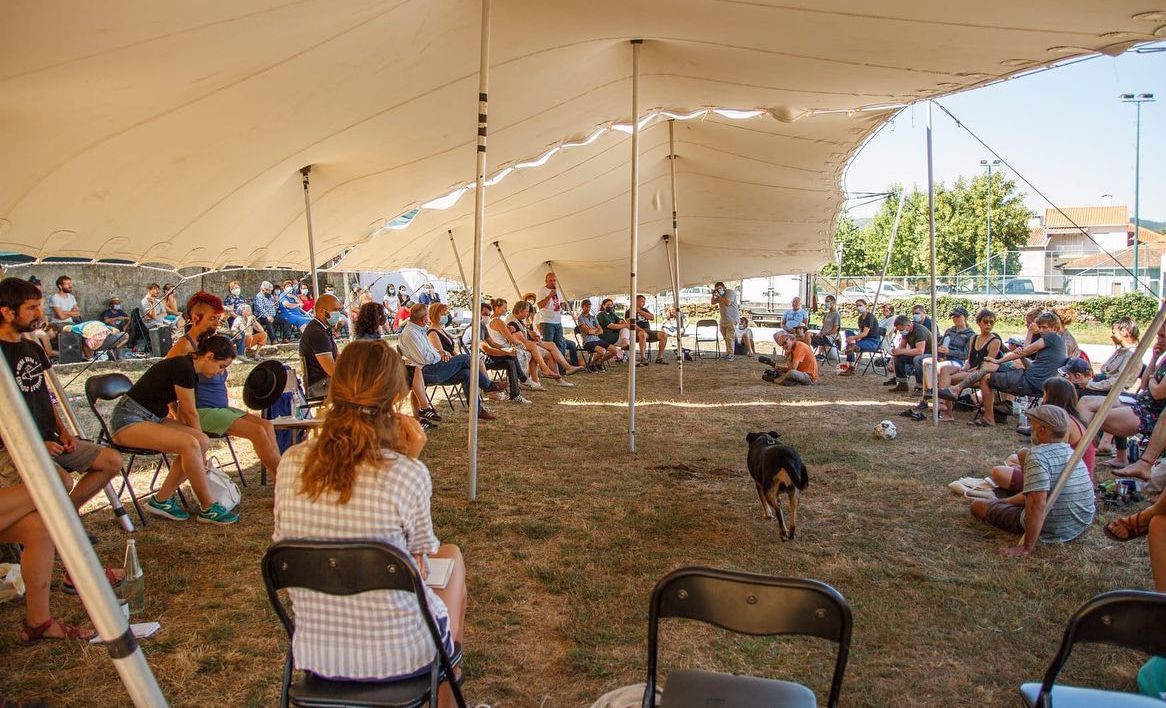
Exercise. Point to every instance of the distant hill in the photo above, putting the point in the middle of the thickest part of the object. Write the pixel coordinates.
(1159, 226)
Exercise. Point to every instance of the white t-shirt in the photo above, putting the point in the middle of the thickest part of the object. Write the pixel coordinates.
(63, 302)
(552, 313)
(731, 313)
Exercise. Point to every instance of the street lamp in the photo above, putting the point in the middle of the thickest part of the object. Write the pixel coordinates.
(1137, 100)
(988, 251)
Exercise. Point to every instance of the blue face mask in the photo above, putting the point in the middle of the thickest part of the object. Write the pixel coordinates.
(916, 318)
(335, 317)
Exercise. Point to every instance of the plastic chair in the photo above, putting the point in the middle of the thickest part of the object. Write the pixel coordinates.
(1130, 619)
(349, 568)
(745, 603)
(716, 339)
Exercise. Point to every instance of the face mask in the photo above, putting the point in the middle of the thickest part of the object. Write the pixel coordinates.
(335, 317)
(608, 309)
(289, 290)
(862, 309)
(115, 308)
(236, 291)
(329, 291)
(916, 318)
(303, 291)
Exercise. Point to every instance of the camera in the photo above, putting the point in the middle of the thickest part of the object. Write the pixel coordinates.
(767, 361)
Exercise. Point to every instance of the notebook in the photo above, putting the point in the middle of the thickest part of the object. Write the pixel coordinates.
(440, 571)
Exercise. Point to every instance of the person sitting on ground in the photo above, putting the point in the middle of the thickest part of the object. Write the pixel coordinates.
(1125, 335)
(544, 352)
(795, 320)
(550, 304)
(288, 306)
(359, 479)
(63, 307)
(141, 419)
(234, 300)
(1027, 513)
(496, 355)
(616, 331)
(215, 414)
(1060, 393)
(801, 367)
(115, 316)
(307, 302)
(318, 349)
(916, 342)
(438, 366)
(1048, 355)
(952, 352)
(730, 312)
(985, 345)
(827, 337)
(503, 338)
(745, 343)
(249, 334)
(593, 342)
(265, 309)
(642, 319)
(866, 338)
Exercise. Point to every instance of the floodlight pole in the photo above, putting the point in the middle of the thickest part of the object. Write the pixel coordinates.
(931, 242)
(64, 525)
(633, 259)
(675, 272)
(479, 228)
(306, 171)
(509, 272)
(461, 271)
(988, 250)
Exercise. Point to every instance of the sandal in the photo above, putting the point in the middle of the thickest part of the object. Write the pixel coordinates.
(1127, 528)
(981, 423)
(660, 360)
(32, 635)
(916, 415)
(110, 576)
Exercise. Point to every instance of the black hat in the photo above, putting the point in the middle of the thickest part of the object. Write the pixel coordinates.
(264, 385)
(960, 311)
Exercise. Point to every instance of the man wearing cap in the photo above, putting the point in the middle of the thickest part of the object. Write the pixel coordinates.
(116, 316)
(1078, 372)
(317, 345)
(265, 309)
(953, 350)
(1027, 513)
(801, 367)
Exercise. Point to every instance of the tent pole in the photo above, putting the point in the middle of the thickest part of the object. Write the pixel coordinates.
(64, 526)
(479, 228)
(306, 171)
(676, 257)
(461, 271)
(931, 241)
(633, 263)
(509, 273)
(70, 419)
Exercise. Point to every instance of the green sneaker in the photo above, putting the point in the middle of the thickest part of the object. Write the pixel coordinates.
(217, 515)
(169, 508)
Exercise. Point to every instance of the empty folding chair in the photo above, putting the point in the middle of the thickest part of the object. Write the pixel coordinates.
(716, 338)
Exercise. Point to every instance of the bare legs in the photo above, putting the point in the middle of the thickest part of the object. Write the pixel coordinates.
(174, 438)
(454, 597)
(261, 433)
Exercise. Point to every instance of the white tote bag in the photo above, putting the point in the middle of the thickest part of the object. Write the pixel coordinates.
(223, 488)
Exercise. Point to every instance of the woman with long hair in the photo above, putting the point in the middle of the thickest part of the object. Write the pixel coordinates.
(369, 322)
(359, 479)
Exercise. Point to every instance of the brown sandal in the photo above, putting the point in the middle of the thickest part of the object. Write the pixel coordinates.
(1127, 528)
(31, 635)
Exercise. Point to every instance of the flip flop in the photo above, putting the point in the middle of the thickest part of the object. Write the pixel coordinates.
(981, 423)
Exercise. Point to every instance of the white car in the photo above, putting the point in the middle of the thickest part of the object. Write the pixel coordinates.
(890, 291)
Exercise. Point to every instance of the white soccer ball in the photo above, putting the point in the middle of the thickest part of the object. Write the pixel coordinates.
(886, 430)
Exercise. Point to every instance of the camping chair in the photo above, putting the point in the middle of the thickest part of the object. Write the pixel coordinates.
(587, 356)
(110, 387)
(110, 348)
(1130, 619)
(348, 568)
(716, 339)
(752, 604)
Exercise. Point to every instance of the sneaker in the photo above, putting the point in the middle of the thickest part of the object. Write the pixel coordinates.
(427, 424)
(564, 383)
(533, 385)
(729, 358)
(484, 413)
(901, 388)
(429, 414)
(520, 399)
(169, 508)
(497, 395)
(217, 515)
(891, 382)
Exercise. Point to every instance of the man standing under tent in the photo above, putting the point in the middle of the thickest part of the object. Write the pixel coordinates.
(726, 300)
(318, 348)
(550, 305)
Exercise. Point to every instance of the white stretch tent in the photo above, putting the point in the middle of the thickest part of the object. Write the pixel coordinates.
(174, 133)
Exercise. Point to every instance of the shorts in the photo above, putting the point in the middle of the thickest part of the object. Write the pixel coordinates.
(1012, 381)
(79, 460)
(129, 412)
(1016, 482)
(590, 346)
(446, 641)
(1006, 517)
(1147, 417)
(216, 421)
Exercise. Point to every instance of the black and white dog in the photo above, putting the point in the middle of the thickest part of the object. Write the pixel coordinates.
(776, 468)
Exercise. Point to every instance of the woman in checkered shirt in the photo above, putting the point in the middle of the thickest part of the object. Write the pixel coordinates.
(359, 479)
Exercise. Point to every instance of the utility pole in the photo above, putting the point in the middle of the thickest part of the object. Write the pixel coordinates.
(1138, 100)
(988, 251)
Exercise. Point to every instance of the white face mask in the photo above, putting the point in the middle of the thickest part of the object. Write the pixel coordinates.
(289, 290)
(235, 291)
(862, 309)
(303, 291)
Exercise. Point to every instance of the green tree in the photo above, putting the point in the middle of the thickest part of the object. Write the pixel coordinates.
(961, 239)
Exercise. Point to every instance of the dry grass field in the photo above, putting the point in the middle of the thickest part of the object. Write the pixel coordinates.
(570, 532)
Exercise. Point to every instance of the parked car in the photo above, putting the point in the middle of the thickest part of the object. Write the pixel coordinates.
(890, 291)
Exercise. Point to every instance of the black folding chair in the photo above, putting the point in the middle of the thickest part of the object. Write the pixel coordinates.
(111, 387)
(745, 603)
(350, 568)
(716, 339)
(1130, 619)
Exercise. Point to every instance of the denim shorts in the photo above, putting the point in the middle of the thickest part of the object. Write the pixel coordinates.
(129, 412)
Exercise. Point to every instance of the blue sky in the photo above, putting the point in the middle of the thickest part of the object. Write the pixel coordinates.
(1065, 129)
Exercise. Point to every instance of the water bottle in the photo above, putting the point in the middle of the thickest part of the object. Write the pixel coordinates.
(1024, 418)
(133, 585)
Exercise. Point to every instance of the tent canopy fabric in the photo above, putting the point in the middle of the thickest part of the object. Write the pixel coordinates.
(174, 133)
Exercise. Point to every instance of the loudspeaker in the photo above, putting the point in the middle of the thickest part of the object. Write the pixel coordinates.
(160, 341)
(69, 346)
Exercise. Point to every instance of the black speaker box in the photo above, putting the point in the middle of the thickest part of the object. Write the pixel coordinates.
(160, 341)
(69, 346)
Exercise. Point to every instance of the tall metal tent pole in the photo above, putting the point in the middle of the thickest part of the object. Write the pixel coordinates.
(887, 259)
(70, 418)
(306, 171)
(931, 241)
(461, 271)
(479, 228)
(633, 260)
(509, 272)
(64, 526)
(676, 253)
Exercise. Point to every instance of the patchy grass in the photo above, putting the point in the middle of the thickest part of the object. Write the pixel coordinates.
(570, 532)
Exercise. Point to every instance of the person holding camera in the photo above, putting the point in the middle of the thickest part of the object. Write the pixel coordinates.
(726, 300)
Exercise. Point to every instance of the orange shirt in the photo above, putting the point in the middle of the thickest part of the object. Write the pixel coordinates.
(801, 357)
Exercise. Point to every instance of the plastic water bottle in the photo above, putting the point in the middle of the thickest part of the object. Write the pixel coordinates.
(1024, 418)
(133, 585)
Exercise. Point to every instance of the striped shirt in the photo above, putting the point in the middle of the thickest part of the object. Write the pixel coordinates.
(1074, 509)
(373, 635)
